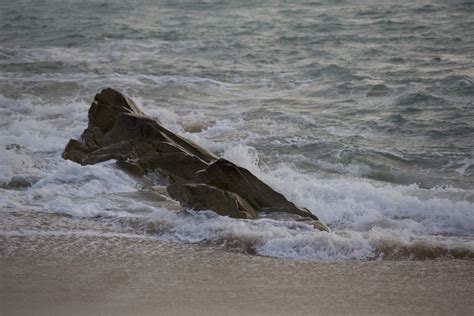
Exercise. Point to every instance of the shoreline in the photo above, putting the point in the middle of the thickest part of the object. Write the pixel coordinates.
(77, 275)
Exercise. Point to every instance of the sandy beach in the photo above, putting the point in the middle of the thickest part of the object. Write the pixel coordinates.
(81, 274)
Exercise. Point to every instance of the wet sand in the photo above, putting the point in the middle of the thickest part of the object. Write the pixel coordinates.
(91, 275)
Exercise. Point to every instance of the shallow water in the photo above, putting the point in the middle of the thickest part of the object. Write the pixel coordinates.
(361, 112)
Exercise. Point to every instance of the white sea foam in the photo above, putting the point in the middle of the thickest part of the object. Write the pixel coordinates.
(357, 202)
(85, 191)
(286, 239)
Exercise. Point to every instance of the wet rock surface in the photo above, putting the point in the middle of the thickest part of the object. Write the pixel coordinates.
(198, 179)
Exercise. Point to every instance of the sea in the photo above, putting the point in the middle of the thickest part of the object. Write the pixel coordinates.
(362, 111)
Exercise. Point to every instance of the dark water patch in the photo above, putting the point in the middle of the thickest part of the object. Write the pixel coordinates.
(320, 27)
(333, 71)
(397, 60)
(403, 167)
(378, 90)
(371, 53)
(467, 6)
(460, 85)
(419, 28)
(389, 25)
(19, 183)
(460, 130)
(374, 13)
(396, 119)
(375, 160)
(294, 40)
(384, 170)
(426, 8)
(331, 90)
(437, 130)
(418, 98)
(40, 67)
(54, 90)
(436, 133)
(411, 110)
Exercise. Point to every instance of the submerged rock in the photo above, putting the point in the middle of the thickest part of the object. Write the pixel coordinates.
(200, 196)
(119, 130)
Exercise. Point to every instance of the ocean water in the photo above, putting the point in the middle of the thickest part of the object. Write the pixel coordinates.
(361, 111)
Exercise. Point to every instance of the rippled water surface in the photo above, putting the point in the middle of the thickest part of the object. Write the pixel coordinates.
(362, 111)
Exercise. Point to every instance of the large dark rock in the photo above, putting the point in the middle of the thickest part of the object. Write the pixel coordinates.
(119, 130)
